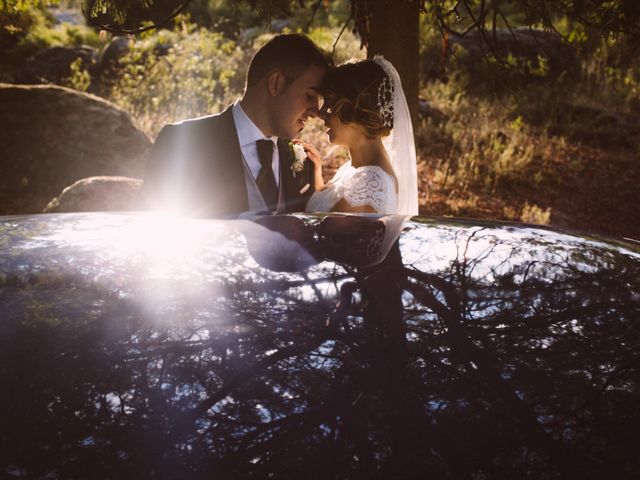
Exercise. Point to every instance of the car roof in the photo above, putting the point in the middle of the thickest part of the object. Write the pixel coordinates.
(315, 346)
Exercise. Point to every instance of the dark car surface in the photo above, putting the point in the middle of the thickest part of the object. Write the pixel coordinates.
(304, 347)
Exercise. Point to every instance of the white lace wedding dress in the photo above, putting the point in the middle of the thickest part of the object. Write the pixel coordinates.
(368, 185)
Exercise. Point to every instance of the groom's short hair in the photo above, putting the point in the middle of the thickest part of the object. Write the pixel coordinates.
(292, 53)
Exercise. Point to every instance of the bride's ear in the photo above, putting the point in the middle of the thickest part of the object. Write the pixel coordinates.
(276, 83)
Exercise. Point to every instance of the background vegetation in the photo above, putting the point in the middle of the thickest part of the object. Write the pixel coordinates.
(499, 137)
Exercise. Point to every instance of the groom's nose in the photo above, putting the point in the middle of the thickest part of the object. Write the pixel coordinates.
(313, 106)
(312, 112)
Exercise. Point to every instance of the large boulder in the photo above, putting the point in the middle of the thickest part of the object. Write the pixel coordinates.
(528, 51)
(52, 136)
(95, 194)
(110, 55)
(53, 65)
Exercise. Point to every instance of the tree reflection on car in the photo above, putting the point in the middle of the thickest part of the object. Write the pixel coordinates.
(465, 351)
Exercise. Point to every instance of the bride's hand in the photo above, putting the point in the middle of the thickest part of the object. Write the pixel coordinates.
(312, 153)
(314, 156)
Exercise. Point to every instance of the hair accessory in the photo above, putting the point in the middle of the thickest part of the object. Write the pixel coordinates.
(385, 101)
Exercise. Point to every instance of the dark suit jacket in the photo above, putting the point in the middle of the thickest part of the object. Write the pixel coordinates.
(196, 168)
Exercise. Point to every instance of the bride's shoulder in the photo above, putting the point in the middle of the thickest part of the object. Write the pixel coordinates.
(370, 185)
(373, 173)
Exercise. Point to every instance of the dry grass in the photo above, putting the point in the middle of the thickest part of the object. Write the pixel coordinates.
(484, 158)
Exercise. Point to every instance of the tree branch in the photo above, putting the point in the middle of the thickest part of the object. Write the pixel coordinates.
(333, 50)
(121, 31)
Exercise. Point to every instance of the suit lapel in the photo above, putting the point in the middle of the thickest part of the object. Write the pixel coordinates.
(231, 163)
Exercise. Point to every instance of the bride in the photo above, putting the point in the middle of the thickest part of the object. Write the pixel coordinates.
(366, 111)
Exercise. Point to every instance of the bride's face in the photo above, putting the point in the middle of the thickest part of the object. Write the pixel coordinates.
(340, 133)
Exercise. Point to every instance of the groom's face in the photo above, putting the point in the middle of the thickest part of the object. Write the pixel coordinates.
(297, 102)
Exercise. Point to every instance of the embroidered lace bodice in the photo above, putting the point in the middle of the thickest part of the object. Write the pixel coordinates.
(368, 185)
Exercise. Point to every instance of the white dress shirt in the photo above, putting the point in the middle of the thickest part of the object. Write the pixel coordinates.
(248, 134)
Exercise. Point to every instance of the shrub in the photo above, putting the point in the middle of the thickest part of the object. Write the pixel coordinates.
(16, 26)
(175, 75)
(172, 75)
(25, 31)
(535, 214)
(347, 47)
(80, 79)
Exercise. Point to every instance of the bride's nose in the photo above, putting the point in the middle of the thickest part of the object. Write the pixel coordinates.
(324, 114)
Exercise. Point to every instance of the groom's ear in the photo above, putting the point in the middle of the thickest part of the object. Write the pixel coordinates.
(276, 83)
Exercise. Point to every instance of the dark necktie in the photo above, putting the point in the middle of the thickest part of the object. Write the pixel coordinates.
(266, 181)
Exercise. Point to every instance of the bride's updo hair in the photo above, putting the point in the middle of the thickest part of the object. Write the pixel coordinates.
(355, 92)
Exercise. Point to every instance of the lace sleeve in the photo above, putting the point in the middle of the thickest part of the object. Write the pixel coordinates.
(367, 186)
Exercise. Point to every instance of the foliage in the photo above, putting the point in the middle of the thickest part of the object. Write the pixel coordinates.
(64, 34)
(347, 46)
(605, 18)
(26, 32)
(179, 74)
(80, 79)
(229, 18)
(534, 214)
(235, 18)
(455, 16)
(14, 6)
(16, 20)
(558, 149)
(483, 147)
(191, 71)
(615, 66)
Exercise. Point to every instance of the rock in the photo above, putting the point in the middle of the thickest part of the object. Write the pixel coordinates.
(520, 47)
(52, 65)
(52, 136)
(587, 124)
(111, 54)
(427, 110)
(95, 194)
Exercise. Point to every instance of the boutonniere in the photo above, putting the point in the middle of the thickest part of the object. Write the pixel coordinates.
(298, 155)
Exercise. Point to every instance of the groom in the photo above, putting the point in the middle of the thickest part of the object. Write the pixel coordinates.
(239, 160)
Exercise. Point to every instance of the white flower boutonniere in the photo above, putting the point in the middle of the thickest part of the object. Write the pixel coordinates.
(299, 156)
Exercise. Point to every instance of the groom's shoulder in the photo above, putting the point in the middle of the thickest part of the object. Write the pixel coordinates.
(198, 123)
(206, 119)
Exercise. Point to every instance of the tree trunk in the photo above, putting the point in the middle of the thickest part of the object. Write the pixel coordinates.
(395, 33)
